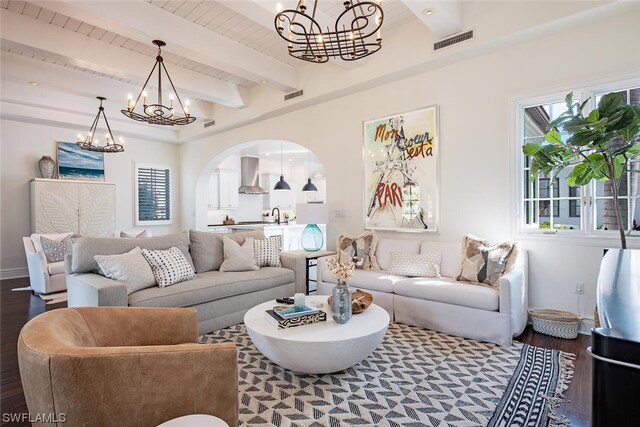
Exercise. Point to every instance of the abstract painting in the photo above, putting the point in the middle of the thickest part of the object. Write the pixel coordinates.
(79, 164)
(401, 169)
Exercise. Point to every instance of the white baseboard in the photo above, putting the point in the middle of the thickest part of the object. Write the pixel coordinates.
(14, 273)
(585, 326)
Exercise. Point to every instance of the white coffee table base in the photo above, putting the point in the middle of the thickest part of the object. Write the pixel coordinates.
(321, 348)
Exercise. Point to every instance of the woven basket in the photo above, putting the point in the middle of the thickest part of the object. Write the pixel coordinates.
(561, 324)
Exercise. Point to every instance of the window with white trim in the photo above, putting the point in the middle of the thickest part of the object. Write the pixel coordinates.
(546, 206)
(153, 194)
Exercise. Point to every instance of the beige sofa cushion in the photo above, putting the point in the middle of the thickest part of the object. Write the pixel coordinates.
(85, 248)
(206, 248)
(450, 291)
(211, 286)
(380, 281)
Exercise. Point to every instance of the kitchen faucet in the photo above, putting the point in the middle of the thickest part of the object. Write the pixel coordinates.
(277, 217)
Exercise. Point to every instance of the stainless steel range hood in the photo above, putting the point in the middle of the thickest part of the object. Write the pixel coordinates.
(250, 176)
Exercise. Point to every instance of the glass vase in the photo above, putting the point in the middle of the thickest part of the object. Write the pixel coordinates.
(311, 238)
(341, 303)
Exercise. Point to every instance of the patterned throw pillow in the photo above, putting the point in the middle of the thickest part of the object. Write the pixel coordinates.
(267, 252)
(131, 269)
(169, 266)
(236, 257)
(483, 263)
(135, 233)
(415, 265)
(54, 250)
(359, 249)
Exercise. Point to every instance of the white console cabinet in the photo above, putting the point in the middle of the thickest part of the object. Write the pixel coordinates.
(85, 208)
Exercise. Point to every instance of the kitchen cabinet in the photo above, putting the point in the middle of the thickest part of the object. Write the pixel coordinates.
(81, 207)
(277, 199)
(218, 229)
(317, 196)
(228, 184)
(214, 184)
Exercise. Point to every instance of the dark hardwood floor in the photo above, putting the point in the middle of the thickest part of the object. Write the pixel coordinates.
(17, 307)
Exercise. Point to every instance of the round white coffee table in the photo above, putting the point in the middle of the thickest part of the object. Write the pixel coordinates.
(320, 348)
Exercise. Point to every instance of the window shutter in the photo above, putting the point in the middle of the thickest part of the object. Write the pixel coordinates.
(154, 195)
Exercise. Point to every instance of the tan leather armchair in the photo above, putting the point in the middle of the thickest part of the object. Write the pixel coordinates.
(102, 366)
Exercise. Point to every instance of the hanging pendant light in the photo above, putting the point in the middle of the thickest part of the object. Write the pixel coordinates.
(91, 143)
(282, 184)
(309, 186)
(158, 113)
(355, 34)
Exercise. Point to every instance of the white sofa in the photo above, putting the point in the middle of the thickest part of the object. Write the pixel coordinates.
(458, 308)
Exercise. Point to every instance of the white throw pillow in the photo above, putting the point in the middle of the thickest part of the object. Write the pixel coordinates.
(169, 266)
(415, 265)
(37, 244)
(131, 269)
(135, 233)
(236, 257)
(267, 251)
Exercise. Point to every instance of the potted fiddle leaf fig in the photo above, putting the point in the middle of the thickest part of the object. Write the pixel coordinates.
(598, 146)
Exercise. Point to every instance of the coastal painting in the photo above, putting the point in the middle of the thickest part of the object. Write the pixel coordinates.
(401, 169)
(79, 164)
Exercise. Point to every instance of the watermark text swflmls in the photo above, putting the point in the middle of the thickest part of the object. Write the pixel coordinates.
(24, 417)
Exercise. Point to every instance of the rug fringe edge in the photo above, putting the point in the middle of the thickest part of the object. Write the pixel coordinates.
(564, 379)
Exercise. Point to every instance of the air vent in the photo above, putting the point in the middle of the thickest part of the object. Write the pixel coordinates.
(293, 95)
(209, 124)
(458, 38)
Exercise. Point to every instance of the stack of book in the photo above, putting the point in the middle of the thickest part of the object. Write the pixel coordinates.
(284, 317)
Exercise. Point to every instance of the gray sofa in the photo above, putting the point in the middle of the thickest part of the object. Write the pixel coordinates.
(221, 298)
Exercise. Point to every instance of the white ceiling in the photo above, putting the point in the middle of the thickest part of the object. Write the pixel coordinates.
(224, 55)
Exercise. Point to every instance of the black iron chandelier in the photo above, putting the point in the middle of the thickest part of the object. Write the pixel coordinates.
(158, 113)
(91, 142)
(356, 32)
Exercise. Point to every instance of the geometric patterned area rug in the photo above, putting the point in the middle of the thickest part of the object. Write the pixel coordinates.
(416, 377)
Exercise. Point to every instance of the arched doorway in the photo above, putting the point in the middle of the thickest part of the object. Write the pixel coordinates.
(224, 171)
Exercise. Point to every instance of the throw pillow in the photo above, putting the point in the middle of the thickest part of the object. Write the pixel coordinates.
(359, 249)
(54, 250)
(415, 265)
(483, 263)
(236, 257)
(37, 244)
(169, 266)
(131, 269)
(135, 233)
(267, 252)
(207, 248)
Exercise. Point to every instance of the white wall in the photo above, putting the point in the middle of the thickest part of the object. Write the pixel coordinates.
(22, 145)
(477, 146)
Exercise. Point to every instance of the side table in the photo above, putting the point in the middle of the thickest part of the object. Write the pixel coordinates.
(311, 261)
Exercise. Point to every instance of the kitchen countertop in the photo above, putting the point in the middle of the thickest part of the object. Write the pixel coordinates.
(264, 225)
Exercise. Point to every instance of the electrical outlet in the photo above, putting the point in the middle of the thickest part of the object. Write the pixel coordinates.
(580, 288)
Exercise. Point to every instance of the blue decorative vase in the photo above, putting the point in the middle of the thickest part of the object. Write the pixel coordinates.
(341, 303)
(311, 238)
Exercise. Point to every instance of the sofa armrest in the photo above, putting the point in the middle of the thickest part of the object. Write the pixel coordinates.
(90, 289)
(298, 264)
(203, 380)
(322, 266)
(513, 299)
(37, 265)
